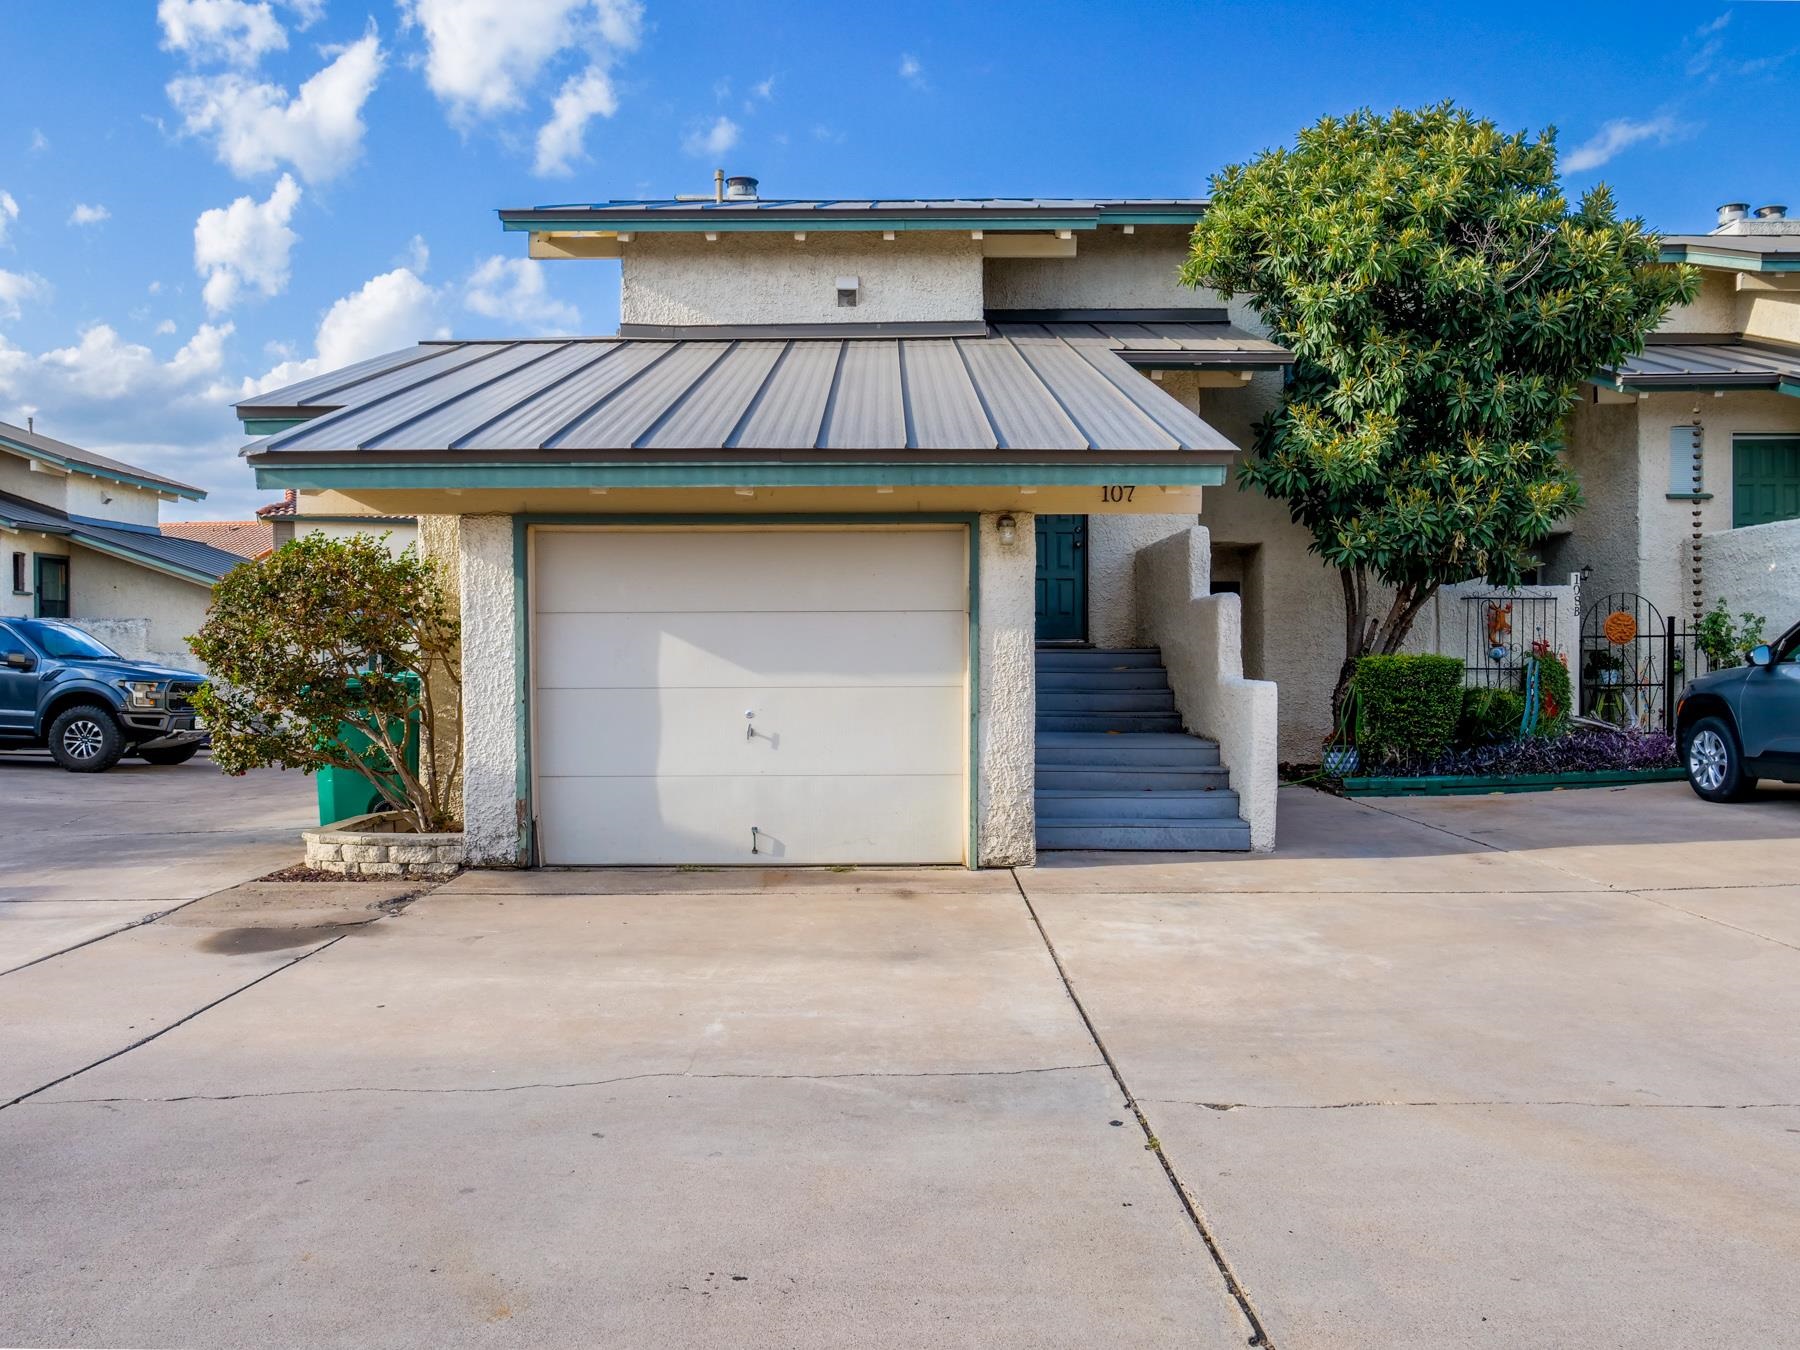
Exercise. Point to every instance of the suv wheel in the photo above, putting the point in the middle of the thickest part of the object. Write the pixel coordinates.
(1715, 765)
(86, 739)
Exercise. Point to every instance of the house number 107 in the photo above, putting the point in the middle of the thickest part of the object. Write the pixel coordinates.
(1117, 493)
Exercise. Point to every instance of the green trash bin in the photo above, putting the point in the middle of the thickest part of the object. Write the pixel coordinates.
(345, 792)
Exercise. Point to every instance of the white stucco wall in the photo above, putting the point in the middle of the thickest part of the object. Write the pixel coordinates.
(1110, 270)
(1714, 310)
(1772, 314)
(1006, 720)
(1200, 635)
(772, 278)
(104, 587)
(19, 480)
(99, 499)
(1757, 568)
(1112, 545)
(400, 534)
(491, 804)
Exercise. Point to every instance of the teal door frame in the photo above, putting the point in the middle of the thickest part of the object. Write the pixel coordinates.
(1062, 577)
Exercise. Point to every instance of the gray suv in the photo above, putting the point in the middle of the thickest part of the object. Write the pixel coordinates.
(1736, 726)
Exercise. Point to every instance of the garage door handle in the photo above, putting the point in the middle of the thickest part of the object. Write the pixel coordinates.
(753, 833)
(750, 735)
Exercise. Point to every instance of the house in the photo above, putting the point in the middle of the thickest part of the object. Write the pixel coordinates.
(1689, 454)
(288, 517)
(80, 540)
(765, 575)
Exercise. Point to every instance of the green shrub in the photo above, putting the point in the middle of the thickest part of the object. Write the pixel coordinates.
(1556, 697)
(1490, 717)
(1410, 705)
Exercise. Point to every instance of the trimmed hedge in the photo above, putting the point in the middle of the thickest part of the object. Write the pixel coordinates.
(1410, 705)
(1490, 716)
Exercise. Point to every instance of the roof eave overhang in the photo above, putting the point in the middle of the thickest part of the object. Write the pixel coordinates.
(775, 220)
(163, 485)
(1760, 382)
(1728, 259)
(324, 473)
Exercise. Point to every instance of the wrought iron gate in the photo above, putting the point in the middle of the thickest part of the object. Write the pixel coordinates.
(1634, 663)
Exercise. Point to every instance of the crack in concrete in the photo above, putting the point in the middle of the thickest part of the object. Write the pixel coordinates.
(98, 937)
(180, 1021)
(1359, 1105)
(1259, 1335)
(578, 1083)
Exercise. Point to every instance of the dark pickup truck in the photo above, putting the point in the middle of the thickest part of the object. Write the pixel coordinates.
(62, 690)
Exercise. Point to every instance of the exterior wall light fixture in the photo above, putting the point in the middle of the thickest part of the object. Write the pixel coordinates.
(1008, 530)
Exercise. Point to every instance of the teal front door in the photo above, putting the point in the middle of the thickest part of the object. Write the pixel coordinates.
(1062, 578)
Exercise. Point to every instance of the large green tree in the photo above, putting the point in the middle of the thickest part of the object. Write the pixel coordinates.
(1444, 305)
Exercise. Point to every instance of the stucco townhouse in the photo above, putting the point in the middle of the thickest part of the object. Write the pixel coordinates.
(80, 540)
(852, 545)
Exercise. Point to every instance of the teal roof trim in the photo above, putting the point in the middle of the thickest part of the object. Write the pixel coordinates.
(71, 465)
(1729, 260)
(1167, 471)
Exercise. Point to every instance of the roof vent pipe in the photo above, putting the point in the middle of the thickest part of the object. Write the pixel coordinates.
(739, 187)
(718, 185)
(1732, 212)
(1771, 212)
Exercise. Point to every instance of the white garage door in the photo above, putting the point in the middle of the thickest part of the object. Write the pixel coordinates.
(698, 692)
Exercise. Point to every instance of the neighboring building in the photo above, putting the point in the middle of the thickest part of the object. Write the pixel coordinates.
(246, 538)
(1689, 455)
(80, 540)
(756, 578)
(323, 514)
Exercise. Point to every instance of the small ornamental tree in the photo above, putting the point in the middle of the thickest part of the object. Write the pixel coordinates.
(324, 635)
(1444, 305)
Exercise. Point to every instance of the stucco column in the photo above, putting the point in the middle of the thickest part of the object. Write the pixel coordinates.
(1112, 546)
(493, 832)
(1006, 749)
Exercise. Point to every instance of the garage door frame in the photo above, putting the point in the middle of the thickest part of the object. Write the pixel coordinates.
(524, 635)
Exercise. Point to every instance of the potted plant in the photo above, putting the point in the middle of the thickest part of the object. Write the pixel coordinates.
(1340, 756)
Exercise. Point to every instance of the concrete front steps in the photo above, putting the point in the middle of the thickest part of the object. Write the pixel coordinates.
(1114, 768)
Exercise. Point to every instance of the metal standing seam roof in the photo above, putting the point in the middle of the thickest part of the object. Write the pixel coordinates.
(1025, 389)
(67, 456)
(1716, 364)
(147, 546)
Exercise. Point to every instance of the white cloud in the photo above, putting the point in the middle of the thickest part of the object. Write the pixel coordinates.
(482, 56)
(513, 290)
(763, 89)
(712, 141)
(390, 311)
(18, 287)
(306, 12)
(1621, 133)
(239, 32)
(39, 141)
(560, 141)
(9, 212)
(246, 244)
(83, 214)
(911, 71)
(257, 127)
(166, 327)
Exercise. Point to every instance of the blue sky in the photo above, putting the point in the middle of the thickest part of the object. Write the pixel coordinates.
(198, 197)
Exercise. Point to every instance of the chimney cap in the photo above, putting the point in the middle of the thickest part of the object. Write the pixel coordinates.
(1773, 211)
(1732, 212)
(740, 186)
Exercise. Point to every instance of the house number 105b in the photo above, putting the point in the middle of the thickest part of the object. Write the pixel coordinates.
(1117, 493)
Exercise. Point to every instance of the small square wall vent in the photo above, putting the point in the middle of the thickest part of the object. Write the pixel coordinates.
(847, 288)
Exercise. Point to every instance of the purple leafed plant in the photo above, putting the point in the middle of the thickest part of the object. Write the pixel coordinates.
(1583, 750)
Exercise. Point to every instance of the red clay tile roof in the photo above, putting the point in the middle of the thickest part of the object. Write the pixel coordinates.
(246, 538)
(287, 506)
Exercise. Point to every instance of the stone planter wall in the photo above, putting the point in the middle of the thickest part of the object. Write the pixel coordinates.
(379, 846)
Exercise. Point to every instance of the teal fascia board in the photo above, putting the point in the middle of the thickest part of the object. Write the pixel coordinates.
(111, 475)
(269, 426)
(864, 225)
(1736, 262)
(329, 477)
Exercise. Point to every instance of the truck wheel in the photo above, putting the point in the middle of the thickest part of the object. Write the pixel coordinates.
(173, 754)
(1715, 764)
(86, 739)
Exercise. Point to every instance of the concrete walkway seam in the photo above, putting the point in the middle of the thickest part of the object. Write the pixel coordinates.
(104, 1059)
(1259, 1335)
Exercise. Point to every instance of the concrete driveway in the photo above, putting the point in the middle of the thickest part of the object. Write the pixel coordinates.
(1490, 1072)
